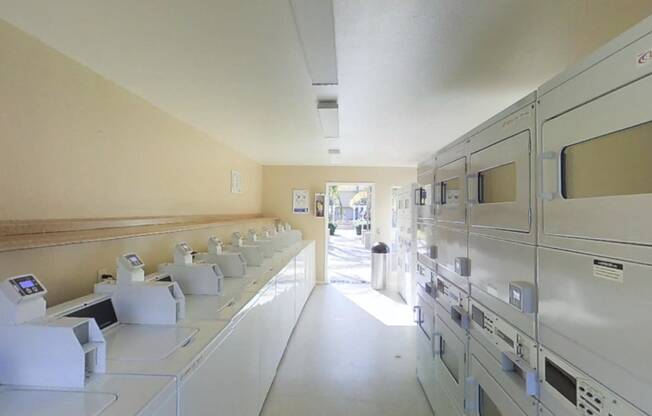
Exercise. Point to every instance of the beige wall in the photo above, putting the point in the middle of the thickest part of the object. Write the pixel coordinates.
(76, 145)
(279, 181)
(70, 271)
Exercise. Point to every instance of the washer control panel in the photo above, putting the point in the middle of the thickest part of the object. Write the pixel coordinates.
(27, 285)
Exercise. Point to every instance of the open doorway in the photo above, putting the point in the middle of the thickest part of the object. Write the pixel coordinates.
(350, 219)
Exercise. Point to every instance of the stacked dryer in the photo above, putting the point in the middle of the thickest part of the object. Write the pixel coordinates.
(595, 233)
(502, 268)
(450, 341)
(424, 303)
(542, 242)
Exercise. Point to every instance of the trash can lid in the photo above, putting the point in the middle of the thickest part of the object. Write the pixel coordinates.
(380, 247)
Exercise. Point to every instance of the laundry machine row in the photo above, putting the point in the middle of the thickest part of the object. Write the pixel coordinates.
(541, 221)
(140, 346)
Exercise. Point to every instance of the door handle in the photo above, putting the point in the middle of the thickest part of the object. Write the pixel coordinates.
(437, 194)
(472, 190)
(437, 344)
(510, 362)
(543, 157)
(417, 311)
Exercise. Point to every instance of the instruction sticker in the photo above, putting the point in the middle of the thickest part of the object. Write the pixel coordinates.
(608, 270)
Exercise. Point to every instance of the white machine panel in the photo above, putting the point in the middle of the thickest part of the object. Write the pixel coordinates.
(22, 298)
(106, 395)
(424, 194)
(595, 153)
(499, 185)
(455, 302)
(565, 390)
(230, 264)
(501, 173)
(196, 278)
(595, 312)
(450, 192)
(508, 354)
(407, 244)
(452, 248)
(499, 265)
(450, 350)
(424, 317)
(425, 244)
(252, 253)
(59, 353)
(486, 396)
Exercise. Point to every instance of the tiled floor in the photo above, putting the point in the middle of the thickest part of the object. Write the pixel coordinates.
(352, 353)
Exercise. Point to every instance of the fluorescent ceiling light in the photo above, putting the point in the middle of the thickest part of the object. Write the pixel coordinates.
(315, 24)
(329, 116)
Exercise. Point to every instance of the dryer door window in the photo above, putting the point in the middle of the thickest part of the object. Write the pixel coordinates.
(497, 184)
(450, 359)
(450, 356)
(618, 163)
(486, 407)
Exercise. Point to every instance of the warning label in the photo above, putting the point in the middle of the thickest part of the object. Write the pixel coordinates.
(608, 270)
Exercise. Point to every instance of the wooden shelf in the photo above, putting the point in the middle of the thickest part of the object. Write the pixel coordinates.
(24, 235)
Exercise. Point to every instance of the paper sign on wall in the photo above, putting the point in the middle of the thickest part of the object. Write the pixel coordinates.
(236, 182)
(300, 201)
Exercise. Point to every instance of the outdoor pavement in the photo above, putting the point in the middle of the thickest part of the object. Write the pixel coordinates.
(348, 260)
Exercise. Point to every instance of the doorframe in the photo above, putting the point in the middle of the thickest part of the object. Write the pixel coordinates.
(371, 185)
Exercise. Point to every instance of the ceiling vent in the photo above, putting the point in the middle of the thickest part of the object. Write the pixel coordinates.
(329, 117)
(335, 156)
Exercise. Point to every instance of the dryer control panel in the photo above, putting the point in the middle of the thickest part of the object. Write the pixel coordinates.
(569, 389)
(502, 335)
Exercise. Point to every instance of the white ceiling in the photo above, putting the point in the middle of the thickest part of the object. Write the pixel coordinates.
(413, 74)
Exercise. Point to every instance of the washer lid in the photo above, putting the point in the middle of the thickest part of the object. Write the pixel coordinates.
(146, 342)
(18, 402)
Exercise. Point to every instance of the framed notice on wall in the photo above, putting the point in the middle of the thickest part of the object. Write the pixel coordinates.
(300, 201)
(319, 205)
(236, 182)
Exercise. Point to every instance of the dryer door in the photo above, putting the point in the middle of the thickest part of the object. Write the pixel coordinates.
(450, 193)
(486, 397)
(450, 354)
(499, 185)
(596, 311)
(596, 168)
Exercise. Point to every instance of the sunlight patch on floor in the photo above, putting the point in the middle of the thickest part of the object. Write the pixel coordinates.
(387, 308)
